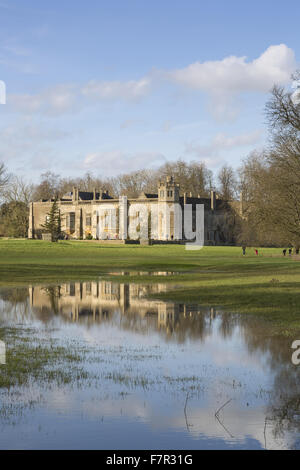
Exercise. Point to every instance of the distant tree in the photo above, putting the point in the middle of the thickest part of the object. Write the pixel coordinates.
(48, 187)
(132, 184)
(14, 219)
(86, 183)
(271, 200)
(271, 180)
(283, 110)
(14, 212)
(18, 190)
(193, 177)
(4, 178)
(227, 183)
(53, 221)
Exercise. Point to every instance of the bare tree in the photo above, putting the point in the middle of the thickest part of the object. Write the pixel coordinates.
(48, 187)
(193, 177)
(227, 183)
(4, 177)
(18, 190)
(270, 183)
(282, 111)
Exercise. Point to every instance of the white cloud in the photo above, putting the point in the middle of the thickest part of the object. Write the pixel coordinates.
(222, 80)
(67, 98)
(130, 123)
(225, 79)
(109, 161)
(211, 153)
(27, 145)
(223, 141)
(233, 74)
(53, 101)
(115, 90)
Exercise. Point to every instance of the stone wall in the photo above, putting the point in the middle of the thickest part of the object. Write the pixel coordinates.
(142, 218)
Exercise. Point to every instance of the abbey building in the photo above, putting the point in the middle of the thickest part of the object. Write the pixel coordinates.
(159, 217)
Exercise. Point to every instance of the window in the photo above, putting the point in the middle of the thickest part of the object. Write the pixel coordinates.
(71, 221)
(88, 288)
(107, 288)
(88, 220)
(106, 219)
(72, 290)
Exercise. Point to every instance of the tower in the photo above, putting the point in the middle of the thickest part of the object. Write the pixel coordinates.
(168, 206)
(168, 190)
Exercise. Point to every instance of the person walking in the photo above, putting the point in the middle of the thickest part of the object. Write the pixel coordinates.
(284, 252)
(256, 251)
(290, 251)
(244, 250)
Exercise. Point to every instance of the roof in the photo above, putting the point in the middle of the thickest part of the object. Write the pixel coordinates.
(148, 196)
(85, 196)
(206, 201)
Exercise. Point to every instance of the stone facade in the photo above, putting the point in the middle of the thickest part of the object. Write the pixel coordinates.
(158, 217)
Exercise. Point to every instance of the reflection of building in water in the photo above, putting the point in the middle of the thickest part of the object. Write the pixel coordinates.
(100, 301)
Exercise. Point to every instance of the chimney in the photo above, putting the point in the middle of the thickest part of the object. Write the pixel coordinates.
(213, 200)
(191, 194)
(94, 194)
(184, 198)
(75, 194)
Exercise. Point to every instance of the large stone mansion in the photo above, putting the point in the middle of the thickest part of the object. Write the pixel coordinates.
(89, 215)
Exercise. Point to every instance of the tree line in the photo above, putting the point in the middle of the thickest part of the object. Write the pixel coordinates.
(269, 181)
(16, 193)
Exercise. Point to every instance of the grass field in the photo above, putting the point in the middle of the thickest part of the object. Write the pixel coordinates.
(267, 285)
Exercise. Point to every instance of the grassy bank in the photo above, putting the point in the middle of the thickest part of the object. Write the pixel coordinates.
(267, 285)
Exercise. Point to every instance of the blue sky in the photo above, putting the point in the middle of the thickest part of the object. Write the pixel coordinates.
(120, 85)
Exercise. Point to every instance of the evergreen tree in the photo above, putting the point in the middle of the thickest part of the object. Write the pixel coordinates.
(53, 221)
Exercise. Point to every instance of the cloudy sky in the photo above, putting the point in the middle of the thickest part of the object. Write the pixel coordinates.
(109, 86)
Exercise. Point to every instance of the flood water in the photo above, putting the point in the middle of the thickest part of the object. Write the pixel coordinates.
(148, 374)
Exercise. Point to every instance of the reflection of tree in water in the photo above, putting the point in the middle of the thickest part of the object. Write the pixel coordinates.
(53, 293)
(194, 326)
(178, 329)
(14, 295)
(16, 301)
(192, 322)
(228, 323)
(284, 405)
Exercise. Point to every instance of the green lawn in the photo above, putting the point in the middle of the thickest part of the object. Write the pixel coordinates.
(267, 285)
